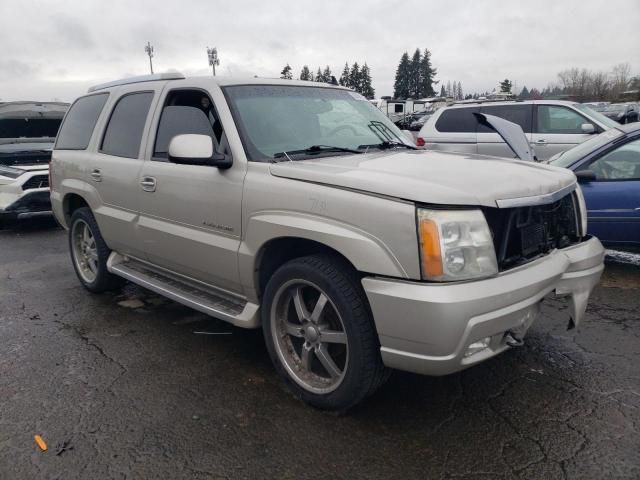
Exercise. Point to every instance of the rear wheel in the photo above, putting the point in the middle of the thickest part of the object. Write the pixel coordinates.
(320, 334)
(89, 253)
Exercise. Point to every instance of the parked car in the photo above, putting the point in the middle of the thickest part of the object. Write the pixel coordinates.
(354, 252)
(608, 167)
(622, 112)
(550, 126)
(27, 133)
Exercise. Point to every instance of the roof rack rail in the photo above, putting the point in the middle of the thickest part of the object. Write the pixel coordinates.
(138, 79)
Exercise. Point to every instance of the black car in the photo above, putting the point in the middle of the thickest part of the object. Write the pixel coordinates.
(622, 112)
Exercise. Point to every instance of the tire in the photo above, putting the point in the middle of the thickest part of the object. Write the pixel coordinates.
(89, 253)
(299, 340)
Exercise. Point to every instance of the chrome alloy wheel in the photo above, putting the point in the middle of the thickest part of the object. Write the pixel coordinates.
(309, 336)
(85, 251)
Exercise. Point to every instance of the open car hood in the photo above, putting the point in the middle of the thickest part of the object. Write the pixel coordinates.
(511, 133)
(435, 177)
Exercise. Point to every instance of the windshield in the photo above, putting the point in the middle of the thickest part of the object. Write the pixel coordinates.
(273, 119)
(604, 120)
(569, 157)
(29, 127)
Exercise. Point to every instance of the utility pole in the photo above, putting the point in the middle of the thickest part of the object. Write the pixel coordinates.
(149, 49)
(212, 53)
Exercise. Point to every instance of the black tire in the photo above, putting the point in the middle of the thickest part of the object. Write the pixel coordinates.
(364, 373)
(104, 280)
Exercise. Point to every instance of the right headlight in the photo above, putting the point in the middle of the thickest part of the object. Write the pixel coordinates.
(455, 245)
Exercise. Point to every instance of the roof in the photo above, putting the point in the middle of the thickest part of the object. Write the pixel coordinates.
(629, 127)
(512, 102)
(222, 81)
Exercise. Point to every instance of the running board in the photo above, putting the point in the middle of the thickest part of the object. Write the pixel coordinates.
(225, 306)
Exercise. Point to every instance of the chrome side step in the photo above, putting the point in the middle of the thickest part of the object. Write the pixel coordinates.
(208, 300)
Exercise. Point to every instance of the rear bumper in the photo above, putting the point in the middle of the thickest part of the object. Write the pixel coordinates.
(428, 328)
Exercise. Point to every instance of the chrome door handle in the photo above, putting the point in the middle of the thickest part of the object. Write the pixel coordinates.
(540, 142)
(96, 174)
(148, 184)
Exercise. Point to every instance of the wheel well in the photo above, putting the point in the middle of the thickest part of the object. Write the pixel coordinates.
(70, 204)
(277, 252)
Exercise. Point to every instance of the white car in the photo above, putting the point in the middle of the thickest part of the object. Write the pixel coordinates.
(551, 127)
(27, 133)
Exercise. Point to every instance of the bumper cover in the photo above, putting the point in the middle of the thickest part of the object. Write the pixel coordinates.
(427, 328)
(28, 204)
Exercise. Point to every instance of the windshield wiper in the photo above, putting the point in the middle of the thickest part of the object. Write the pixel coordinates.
(314, 149)
(386, 144)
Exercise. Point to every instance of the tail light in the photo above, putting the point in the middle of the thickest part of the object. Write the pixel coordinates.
(420, 142)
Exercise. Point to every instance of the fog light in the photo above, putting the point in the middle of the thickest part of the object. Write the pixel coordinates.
(477, 346)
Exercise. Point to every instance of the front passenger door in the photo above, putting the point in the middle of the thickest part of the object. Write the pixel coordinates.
(557, 128)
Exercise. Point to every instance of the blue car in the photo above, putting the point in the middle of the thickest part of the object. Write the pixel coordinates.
(608, 169)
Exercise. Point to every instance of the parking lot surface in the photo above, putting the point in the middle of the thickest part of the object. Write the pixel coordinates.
(130, 385)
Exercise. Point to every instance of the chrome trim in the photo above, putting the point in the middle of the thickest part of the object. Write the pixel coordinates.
(536, 199)
(138, 79)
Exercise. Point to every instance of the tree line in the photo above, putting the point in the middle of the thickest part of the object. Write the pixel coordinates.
(355, 77)
(415, 76)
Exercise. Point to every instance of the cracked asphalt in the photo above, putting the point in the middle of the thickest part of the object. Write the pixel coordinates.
(120, 387)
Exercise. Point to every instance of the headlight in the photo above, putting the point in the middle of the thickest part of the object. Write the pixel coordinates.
(583, 211)
(7, 171)
(455, 245)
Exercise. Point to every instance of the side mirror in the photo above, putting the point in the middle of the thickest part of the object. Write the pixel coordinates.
(191, 149)
(585, 176)
(588, 128)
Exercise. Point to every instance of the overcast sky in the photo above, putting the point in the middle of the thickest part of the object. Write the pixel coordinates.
(56, 49)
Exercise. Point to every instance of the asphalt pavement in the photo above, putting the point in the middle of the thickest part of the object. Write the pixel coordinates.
(128, 385)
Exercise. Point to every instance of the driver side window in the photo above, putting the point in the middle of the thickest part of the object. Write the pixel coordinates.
(555, 119)
(623, 163)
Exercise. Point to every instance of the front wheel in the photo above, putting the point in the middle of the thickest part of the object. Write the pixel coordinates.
(320, 334)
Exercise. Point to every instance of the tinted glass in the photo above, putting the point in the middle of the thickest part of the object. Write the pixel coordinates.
(623, 163)
(29, 127)
(460, 120)
(519, 114)
(78, 125)
(124, 131)
(553, 119)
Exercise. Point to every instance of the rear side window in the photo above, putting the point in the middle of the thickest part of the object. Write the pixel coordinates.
(520, 114)
(458, 120)
(124, 132)
(79, 123)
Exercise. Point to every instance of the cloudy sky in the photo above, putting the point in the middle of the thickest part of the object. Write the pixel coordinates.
(56, 49)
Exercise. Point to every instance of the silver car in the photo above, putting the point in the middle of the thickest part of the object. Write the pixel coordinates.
(550, 126)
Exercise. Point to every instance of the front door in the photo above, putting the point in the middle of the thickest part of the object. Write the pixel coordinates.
(190, 215)
(556, 129)
(613, 199)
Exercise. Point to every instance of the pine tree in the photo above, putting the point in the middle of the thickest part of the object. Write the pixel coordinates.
(460, 94)
(524, 94)
(366, 83)
(318, 77)
(354, 77)
(286, 72)
(443, 92)
(401, 85)
(305, 74)
(505, 86)
(414, 74)
(326, 74)
(427, 75)
(344, 78)
(449, 91)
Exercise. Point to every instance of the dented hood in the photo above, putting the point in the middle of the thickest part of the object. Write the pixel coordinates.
(434, 177)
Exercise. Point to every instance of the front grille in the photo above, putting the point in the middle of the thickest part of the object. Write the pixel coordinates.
(524, 233)
(37, 181)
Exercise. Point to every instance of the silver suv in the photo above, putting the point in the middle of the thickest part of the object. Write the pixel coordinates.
(300, 208)
(550, 126)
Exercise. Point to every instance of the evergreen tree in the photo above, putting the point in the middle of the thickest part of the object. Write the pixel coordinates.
(305, 74)
(443, 92)
(401, 85)
(505, 86)
(286, 72)
(344, 78)
(318, 77)
(460, 94)
(354, 77)
(326, 74)
(449, 91)
(366, 82)
(524, 94)
(427, 74)
(414, 74)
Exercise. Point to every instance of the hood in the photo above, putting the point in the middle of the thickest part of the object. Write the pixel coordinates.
(26, 152)
(432, 177)
(511, 133)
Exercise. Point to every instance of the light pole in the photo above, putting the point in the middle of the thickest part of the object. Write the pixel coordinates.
(149, 49)
(212, 53)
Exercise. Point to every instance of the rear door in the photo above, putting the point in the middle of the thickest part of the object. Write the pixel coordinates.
(489, 142)
(114, 170)
(613, 199)
(557, 128)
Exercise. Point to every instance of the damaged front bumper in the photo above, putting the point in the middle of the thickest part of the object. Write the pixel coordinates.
(437, 329)
(30, 203)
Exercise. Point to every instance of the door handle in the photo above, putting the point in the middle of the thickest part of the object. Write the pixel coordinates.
(541, 142)
(148, 184)
(96, 174)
